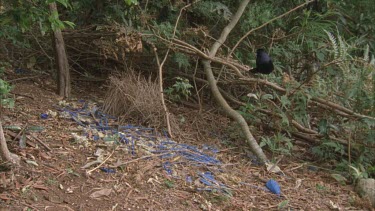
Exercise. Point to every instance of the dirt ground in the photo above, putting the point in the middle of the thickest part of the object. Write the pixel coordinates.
(51, 176)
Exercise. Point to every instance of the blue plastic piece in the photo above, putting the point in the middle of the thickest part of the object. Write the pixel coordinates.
(108, 170)
(189, 179)
(167, 166)
(44, 116)
(273, 186)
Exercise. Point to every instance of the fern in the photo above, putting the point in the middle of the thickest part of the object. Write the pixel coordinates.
(332, 38)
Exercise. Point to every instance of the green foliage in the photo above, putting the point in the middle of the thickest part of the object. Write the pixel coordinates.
(19, 17)
(182, 60)
(5, 88)
(169, 183)
(358, 173)
(279, 143)
(329, 150)
(181, 89)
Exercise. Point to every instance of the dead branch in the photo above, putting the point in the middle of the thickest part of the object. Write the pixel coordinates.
(160, 66)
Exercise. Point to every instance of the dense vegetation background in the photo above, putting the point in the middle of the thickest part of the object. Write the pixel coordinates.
(321, 92)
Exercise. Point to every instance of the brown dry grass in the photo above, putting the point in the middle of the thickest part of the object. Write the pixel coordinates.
(134, 98)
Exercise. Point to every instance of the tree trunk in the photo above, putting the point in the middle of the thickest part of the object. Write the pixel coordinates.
(63, 74)
(4, 151)
(215, 90)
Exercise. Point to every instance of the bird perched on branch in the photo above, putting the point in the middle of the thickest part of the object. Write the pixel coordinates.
(264, 63)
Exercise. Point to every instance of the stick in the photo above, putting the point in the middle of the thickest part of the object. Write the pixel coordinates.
(41, 142)
(89, 172)
(140, 158)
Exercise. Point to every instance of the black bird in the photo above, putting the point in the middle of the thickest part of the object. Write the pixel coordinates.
(264, 63)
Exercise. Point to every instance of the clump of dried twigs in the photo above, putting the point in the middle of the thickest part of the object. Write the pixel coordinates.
(136, 99)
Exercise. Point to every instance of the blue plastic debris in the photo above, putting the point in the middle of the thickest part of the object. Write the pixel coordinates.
(273, 186)
(108, 170)
(312, 168)
(136, 138)
(189, 179)
(167, 166)
(44, 116)
(21, 71)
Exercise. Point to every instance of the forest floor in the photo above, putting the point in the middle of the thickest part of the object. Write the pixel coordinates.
(51, 177)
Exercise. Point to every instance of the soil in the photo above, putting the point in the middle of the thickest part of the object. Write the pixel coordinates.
(51, 177)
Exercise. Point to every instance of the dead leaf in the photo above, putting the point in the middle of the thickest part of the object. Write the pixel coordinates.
(4, 197)
(102, 192)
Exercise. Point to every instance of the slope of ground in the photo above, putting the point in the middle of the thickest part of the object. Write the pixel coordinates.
(51, 176)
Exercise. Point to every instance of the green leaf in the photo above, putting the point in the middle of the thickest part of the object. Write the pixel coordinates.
(131, 2)
(323, 127)
(70, 24)
(283, 204)
(285, 101)
(339, 178)
(267, 97)
(182, 60)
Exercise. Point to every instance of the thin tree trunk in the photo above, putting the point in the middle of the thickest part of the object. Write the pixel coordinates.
(215, 90)
(63, 74)
(4, 151)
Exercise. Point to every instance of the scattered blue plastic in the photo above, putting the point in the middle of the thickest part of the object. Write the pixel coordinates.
(273, 186)
(108, 170)
(131, 135)
(44, 116)
(209, 180)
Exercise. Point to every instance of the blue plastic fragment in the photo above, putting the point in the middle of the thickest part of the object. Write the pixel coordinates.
(108, 170)
(189, 179)
(44, 116)
(20, 71)
(273, 186)
(312, 168)
(167, 166)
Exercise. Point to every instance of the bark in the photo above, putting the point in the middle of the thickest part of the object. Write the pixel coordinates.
(215, 90)
(4, 151)
(63, 74)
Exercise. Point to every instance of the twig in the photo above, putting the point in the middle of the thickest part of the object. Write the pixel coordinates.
(28, 205)
(41, 142)
(21, 131)
(265, 24)
(89, 172)
(189, 49)
(24, 78)
(140, 158)
(23, 95)
(161, 64)
(195, 86)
